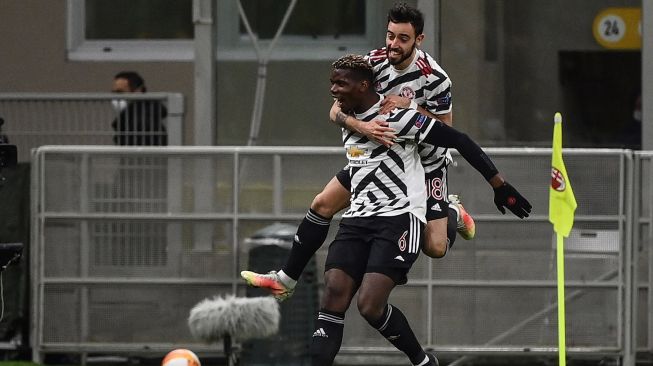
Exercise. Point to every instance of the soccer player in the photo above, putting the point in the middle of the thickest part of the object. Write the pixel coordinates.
(408, 77)
(381, 233)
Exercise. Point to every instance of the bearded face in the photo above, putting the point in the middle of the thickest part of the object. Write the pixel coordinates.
(400, 43)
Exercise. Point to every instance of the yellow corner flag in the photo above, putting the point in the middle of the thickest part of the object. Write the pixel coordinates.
(562, 205)
(562, 202)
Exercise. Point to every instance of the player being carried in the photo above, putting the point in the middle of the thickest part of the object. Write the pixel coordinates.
(409, 78)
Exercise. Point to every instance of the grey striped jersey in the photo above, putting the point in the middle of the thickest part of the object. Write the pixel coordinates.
(387, 181)
(426, 83)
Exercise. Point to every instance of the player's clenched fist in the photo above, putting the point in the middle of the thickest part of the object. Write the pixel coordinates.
(508, 197)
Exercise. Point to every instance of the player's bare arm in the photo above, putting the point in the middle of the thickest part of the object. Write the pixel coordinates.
(377, 131)
(447, 118)
(391, 102)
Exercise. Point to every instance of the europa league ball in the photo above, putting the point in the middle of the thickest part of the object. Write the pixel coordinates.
(181, 357)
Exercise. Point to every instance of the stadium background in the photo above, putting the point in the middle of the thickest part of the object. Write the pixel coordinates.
(513, 64)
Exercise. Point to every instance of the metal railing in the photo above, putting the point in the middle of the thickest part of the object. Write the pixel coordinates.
(642, 242)
(125, 241)
(37, 119)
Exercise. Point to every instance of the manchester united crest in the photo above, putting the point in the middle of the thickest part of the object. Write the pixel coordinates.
(407, 92)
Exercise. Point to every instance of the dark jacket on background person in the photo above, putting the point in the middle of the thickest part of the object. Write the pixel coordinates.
(141, 124)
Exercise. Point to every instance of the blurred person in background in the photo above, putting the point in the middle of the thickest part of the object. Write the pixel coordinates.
(138, 122)
(631, 133)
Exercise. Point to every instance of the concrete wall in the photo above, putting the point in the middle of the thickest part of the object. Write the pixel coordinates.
(534, 88)
(502, 58)
(296, 107)
(505, 66)
(33, 57)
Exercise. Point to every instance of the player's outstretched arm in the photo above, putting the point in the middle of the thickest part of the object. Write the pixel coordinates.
(375, 130)
(505, 195)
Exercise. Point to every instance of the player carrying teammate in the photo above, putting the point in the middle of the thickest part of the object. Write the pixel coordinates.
(409, 77)
(380, 235)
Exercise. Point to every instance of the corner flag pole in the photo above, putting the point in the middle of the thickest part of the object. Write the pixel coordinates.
(562, 205)
(560, 256)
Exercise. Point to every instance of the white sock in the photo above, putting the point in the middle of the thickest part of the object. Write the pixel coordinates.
(287, 280)
(455, 208)
(425, 362)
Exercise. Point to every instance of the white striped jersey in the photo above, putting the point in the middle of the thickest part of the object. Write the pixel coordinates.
(387, 181)
(423, 81)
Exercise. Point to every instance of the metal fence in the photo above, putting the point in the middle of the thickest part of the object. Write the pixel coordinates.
(126, 241)
(642, 242)
(36, 119)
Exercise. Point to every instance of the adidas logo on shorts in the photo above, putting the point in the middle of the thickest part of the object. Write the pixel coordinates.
(436, 207)
(320, 333)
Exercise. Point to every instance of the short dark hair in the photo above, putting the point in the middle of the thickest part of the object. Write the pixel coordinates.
(133, 78)
(403, 13)
(357, 64)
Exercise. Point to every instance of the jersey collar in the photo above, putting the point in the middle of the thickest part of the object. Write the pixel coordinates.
(373, 109)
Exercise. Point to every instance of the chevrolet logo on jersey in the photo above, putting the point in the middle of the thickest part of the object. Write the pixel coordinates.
(358, 156)
(355, 151)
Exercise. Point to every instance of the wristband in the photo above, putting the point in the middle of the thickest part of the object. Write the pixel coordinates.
(413, 104)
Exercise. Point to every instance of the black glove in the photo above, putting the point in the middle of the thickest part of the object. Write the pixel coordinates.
(507, 196)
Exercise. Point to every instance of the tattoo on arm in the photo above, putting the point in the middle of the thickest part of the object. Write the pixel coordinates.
(341, 119)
